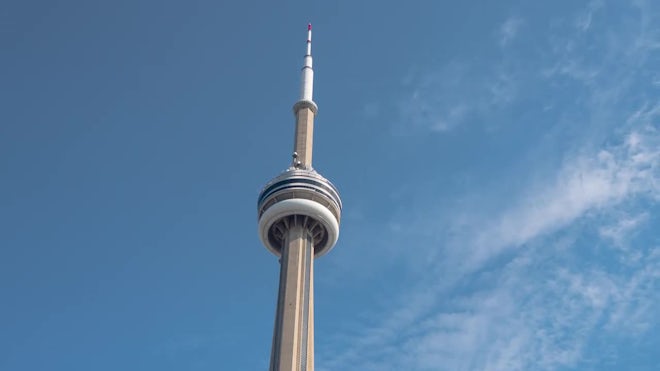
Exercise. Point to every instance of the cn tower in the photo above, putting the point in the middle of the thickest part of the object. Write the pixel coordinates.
(299, 213)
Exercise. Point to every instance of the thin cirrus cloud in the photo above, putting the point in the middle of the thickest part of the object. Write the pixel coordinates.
(528, 285)
(508, 30)
(539, 308)
(535, 320)
(619, 232)
(443, 100)
(583, 184)
(448, 97)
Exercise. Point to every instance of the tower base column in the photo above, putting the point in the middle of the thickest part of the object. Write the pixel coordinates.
(293, 336)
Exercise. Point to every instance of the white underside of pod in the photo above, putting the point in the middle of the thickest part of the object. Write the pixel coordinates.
(299, 206)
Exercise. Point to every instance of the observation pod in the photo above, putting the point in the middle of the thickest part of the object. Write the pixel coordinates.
(304, 197)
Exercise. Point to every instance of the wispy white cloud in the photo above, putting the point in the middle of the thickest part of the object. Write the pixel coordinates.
(619, 231)
(507, 290)
(461, 90)
(431, 104)
(584, 184)
(523, 320)
(542, 322)
(537, 310)
(443, 100)
(583, 19)
(508, 30)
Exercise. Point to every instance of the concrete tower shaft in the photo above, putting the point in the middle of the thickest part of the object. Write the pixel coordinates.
(293, 335)
(299, 213)
(303, 142)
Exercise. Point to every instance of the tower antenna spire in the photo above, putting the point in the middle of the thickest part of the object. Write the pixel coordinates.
(305, 110)
(309, 39)
(307, 80)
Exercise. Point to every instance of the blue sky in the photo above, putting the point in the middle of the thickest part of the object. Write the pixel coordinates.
(498, 162)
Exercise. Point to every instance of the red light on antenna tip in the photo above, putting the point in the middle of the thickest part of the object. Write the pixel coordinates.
(309, 27)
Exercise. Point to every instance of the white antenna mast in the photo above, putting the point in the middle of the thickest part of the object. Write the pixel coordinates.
(307, 86)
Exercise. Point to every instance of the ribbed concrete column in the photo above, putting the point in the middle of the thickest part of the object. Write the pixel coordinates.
(304, 137)
(293, 337)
